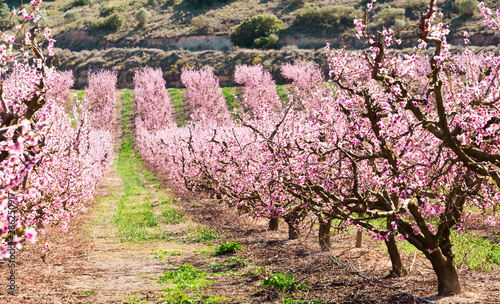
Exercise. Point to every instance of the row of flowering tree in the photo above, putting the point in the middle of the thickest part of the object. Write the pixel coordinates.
(397, 146)
(50, 161)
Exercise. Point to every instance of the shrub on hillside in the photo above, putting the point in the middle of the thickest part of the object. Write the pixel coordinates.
(414, 8)
(466, 8)
(299, 3)
(105, 10)
(71, 16)
(259, 31)
(110, 23)
(389, 16)
(4, 14)
(142, 16)
(75, 3)
(330, 19)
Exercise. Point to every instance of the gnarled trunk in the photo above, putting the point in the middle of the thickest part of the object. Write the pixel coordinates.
(446, 271)
(273, 223)
(325, 242)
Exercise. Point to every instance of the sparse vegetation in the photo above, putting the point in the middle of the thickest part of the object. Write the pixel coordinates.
(204, 234)
(72, 15)
(391, 16)
(185, 277)
(198, 3)
(334, 19)
(75, 3)
(172, 216)
(466, 8)
(229, 264)
(105, 10)
(283, 283)
(181, 298)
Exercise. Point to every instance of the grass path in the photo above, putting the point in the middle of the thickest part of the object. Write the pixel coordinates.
(133, 220)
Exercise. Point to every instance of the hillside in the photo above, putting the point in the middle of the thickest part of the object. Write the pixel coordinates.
(187, 28)
(206, 24)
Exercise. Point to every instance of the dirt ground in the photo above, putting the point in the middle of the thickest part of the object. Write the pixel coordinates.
(84, 269)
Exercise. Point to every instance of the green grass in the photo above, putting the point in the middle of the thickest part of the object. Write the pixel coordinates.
(283, 283)
(180, 298)
(229, 93)
(185, 277)
(134, 217)
(172, 216)
(205, 234)
(475, 252)
(229, 264)
(80, 95)
(161, 254)
(282, 94)
(134, 299)
(470, 249)
(177, 100)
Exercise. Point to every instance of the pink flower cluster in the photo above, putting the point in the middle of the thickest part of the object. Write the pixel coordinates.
(50, 163)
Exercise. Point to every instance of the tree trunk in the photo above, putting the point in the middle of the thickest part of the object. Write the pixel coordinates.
(447, 274)
(398, 270)
(273, 223)
(293, 232)
(325, 242)
(359, 238)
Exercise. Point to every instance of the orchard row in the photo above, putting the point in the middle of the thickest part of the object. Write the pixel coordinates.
(50, 161)
(397, 146)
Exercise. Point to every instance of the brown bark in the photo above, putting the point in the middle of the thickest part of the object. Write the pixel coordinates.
(273, 223)
(359, 238)
(325, 242)
(398, 270)
(447, 274)
(293, 231)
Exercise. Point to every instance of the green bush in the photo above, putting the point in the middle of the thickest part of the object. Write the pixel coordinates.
(71, 16)
(230, 247)
(5, 11)
(389, 15)
(259, 31)
(466, 8)
(105, 10)
(283, 283)
(330, 19)
(4, 14)
(75, 3)
(110, 23)
(413, 7)
(299, 3)
(142, 16)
